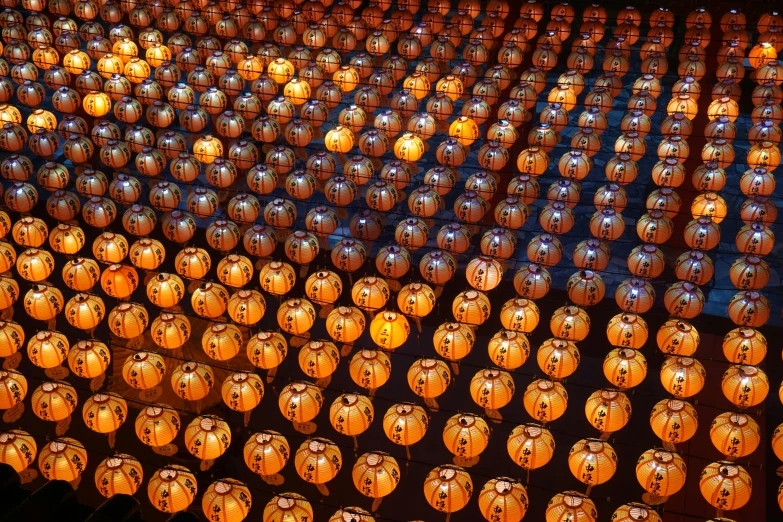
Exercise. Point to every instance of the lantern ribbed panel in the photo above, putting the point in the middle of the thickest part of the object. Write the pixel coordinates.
(570, 322)
(170, 331)
(683, 377)
(242, 391)
(725, 485)
(448, 488)
(319, 359)
(558, 358)
(267, 350)
(370, 293)
(226, 500)
(221, 341)
(405, 423)
(625, 368)
(661, 472)
(677, 337)
(17, 449)
(317, 460)
(735, 434)
(521, 315)
(429, 378)
(48, 349)
(492, 389)
(207, 437)
(143, 370)
(453, 341)
(530, 446)
(545, 400)
(192, 380)
(608, 410)
(128, 320)
(592, 461)
(54, 401)
(300, 402)
(745, 346)
(104, 413)
(673, 420)
(627, 331)
(246, 307)
(351, 414)
(745, 386)
(345, 324)
(370, 369)
(466, 435)
(389, 330)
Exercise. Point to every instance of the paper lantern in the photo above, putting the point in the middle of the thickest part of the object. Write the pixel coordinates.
(81, 274)
(749, 309)
(48, 349)
(571, 505)
(545, 400)
(11, 338)
(104, 412)
(339, 139)
(429, 378)
(192, 381)
(13, 388)
(207, 437)
(558, 358)
(745, 386)
(300, 402)
(246, 307)
(192, 263)
(735, 434)
(66, 239)
(54, 401)
(157, 425)
(471, 307)
(744, 346)
(266, 452)
(351, 414)
(370, 369)
(570, 322)
(755, 238)
(448, 488)
(35, 265)
(172, 488)
(43, 302)
(63, 458)
(749, 273)
(677, 337)
(318, 460)
(661, 473)
(110, 248)
(170, 331)
(592, 461)
(725, 485)
(627, 331)
(673, 420)
(226, 500)
(89, 359)
(532, 281)
(608, 410)
(683, 377)
(625, 368)
(654, 227)
(267, 350)
(530, 446)
(635, 296)
(287, 506)
(17, 449)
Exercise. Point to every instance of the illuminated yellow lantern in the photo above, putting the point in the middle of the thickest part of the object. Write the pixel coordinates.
(48, 349)
(570, 322)
(532, 281)
(745, 346)
(207, 437)
(192, 263)
(266, 452)
(170, 330)
(635, 296)
(104, 413)
(13, 388)
(608, 410)
(448, 488)
(735, 434)
(725, 485)
(661, 473)
(345, 324)
(63, 458)
(288, 507)
(246, 307)
(192, 380)
(465, 130)
(323, 287)
(677, 337)
(34, 265)
(157, 425)
(97, 104)
(530, 446)
(683, 377)
(625, 368)
(11, 338)
(409, 147)
(492, 389)
(54, 401)
(571, 506)
(267, 350)
(674, 420)
(471, 307)
(172, 488)
(85, 311)
(110, 248)
(300, 402)
(749, 309)
(508, 349)
(318, 460)
(627, 331)
(466, 436)
(592, 461)
(17, 449)
(745, 386)
(296, 316)
(558, 358)
(165, 290)
(351, 414)
(520, 315)
(43, 302)
(277, 277)
(143, 370)
(319, 359)
(389, 330)
(89, 359)
(545, 400)
(67, 239)
(370, 293)
(226, 500)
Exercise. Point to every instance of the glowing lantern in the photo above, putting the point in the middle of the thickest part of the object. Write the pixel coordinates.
(13, 388)
(532, 281)
(608, 410)
(530, 446)
(592, 461)
(351, 414)
(48, 349)
(84, 311)
(370, 293)
(17, 449)
(725, 485)
(627, 331)
(104, 413)
(744, 346)
(227, 500)
(661, 473)
(695, 267)
(147, 254)
(267, 350)
(54, 401)
(43, 302)
(63, 458)
(749, 309)
(625, 368)
(571, 505)
(300, 402)
(519, 315)
(288, 506)
(266, 452)
(570, 322)
(11, 338)
(172, 488)
(207, 437)
(448, 488)
(246, 307)
(683, 377)
(545, 400)
(635, 296)
(34, 265)
(317, 460)
(735, 434)
(673, 420)
(745, 386)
